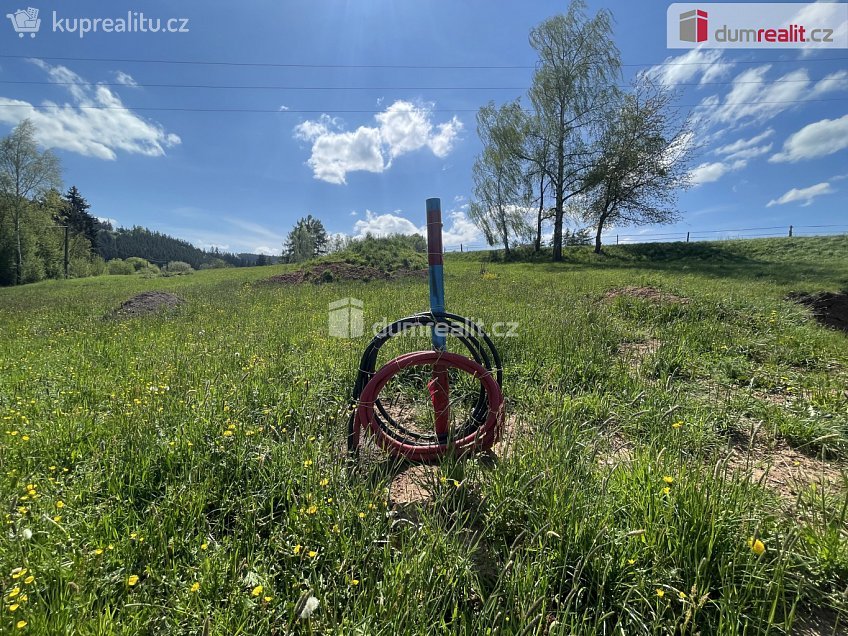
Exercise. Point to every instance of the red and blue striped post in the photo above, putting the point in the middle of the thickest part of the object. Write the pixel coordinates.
(438, 385)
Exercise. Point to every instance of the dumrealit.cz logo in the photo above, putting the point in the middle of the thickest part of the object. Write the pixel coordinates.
(821, 25)
(27, 22)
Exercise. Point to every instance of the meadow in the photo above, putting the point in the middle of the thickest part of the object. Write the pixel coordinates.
(675, 464)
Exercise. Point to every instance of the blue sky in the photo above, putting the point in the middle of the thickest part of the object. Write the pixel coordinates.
(772, 125)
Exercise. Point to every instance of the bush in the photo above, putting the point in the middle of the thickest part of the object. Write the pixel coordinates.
(118, 267)
(179, 267)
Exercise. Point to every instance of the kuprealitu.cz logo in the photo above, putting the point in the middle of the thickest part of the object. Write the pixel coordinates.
(767, 25)
(28, 22)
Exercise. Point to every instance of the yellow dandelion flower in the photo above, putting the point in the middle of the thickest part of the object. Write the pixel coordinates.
(257, 590)
(307, 463)
(362, 515)
(312, 509)
(231, 427)
(324, 482)
(18, 572)
(267, 599)
(296, 549)
(631, 561)
(228, 433)
(312, 554)
(666, 491)
(60, 504)
(25, 438)
(98, 551)
(21, 624)
(57, 518)
(15, 591)
(757, 546)
(668, 479)
(677, 425)
(13, 607)
(194, 587)
(354, 582)
(660, 592)
(52, 468)
(28, 580)
(132, 580)
(204, 546)
(681, 596)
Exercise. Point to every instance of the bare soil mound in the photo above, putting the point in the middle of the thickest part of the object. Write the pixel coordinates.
(830, 309)
(645, 293)
(333, 272)
(147, 303)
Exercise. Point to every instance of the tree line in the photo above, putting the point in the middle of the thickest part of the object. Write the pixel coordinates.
(46, 234)
(586, 152)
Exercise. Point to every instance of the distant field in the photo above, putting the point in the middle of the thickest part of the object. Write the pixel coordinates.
(676, 459)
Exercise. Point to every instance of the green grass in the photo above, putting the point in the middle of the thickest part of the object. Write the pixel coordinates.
(204, 446)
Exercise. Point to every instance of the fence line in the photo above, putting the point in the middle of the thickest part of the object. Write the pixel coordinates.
(692, 236)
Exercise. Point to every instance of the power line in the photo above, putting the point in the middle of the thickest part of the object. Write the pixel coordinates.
(383, 88)
(53, 107)
(373, 66)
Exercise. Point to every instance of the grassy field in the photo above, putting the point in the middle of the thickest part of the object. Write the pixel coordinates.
(676, 464)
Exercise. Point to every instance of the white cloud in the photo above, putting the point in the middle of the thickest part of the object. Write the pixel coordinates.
(709, 172)
(126, 79)
(267, 251)
(827, 12)
(460, 230)
(458, 227)
(283, 108)
(385, 224)
(805, 195)
(401, 128)
(95, 124)
(706, 63)
(752, 98)
(818, 139)
(110, 221)
(833, 82)
(746, 148)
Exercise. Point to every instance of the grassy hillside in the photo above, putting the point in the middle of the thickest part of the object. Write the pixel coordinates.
(675, 464)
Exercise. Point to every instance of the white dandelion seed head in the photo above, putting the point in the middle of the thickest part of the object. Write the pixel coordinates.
(309, 607)
(27, 534)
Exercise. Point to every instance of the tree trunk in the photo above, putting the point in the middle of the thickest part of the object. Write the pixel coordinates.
(601, 222)
(19, 256)
(559, 197)
(538, 244)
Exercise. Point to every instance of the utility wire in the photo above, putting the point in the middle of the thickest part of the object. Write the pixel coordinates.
(383, 88)
(372, 66)
(52, 107)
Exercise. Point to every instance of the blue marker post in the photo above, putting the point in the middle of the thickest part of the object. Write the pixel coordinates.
(438, 385)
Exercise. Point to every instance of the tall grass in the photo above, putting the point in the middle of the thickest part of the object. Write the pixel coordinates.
(201, 452)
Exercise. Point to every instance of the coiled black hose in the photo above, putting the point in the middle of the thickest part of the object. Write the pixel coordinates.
(476, 341)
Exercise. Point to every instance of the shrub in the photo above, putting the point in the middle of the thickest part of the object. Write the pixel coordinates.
(118, 267)
(179, 267)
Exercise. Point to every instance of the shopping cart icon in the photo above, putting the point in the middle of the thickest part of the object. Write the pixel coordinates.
(25, 21)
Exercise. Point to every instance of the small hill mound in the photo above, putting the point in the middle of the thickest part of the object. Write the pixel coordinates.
(369, 258)
(147, 303)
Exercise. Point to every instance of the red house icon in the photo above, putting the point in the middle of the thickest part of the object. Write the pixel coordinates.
(693, 26)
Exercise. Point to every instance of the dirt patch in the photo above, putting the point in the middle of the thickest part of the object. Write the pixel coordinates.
(828, 308)
(333, 272)
(781, 468)
(645, 293)
(634, 352)
(147, 303)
